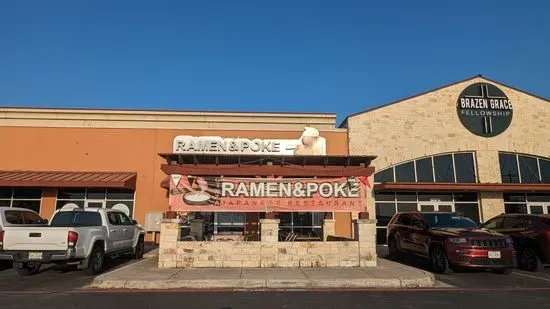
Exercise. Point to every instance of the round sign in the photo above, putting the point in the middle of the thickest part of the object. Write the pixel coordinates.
(484, 109)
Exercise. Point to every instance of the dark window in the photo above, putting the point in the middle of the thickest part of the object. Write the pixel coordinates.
(27, 193)
(406, 196)
(32, 218)
(405, 172)
(71, 193)
(5, 192)
(124, 220)
(514, 197)
(544, 170)
(60, 204)
(464, 167)
(14, 217)
(120, 194)
(95, 194)
(538, 197)
(417, 222)
(529, 169)
(76, 218)
(469, 210)
(381, 236)
(515, 208)
(403, 220)
(384, 176)
(403, 207)
(424, 170)
(384, 196)
(32, 205)
(443, 167)
(302, 218)
(493, 224)
(513, 223)
(536, 210)
(384, 213)
(427, 208)
(113, 218)
(445, 208)
(5, 203)
(434, 196)
(465, 197)
(285, 218)
(508, 168)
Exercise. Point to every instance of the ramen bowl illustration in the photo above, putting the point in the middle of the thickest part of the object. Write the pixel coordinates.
(197, 198)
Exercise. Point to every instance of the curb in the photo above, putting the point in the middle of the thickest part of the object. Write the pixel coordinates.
(420, 282)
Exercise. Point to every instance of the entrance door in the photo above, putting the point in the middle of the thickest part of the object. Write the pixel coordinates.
(538, 208)
(95, 203)
(436, 206)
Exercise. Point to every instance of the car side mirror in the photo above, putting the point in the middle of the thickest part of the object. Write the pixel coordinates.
(134, 222)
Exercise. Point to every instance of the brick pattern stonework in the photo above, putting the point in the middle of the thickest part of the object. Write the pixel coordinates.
(269, 252)
(428, 124)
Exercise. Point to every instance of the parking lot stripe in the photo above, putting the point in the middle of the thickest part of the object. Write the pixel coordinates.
(531, 276)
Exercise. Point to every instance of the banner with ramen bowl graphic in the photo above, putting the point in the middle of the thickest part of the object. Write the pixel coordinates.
(218, 194)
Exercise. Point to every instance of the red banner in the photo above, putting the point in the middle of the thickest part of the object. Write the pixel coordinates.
(218, 194)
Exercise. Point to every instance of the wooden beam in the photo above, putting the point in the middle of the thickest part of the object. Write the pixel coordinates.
(266, 170)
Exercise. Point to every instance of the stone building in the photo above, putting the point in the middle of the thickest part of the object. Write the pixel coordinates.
(476, 146)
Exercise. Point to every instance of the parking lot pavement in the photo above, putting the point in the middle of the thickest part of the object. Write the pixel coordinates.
(472, 279)
(53, 279)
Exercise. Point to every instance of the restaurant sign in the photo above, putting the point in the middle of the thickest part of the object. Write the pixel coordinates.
(309, 143)
(219, 194)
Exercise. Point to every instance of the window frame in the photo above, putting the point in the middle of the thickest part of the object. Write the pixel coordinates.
(431, 158)
(106, 200)
(13, 199)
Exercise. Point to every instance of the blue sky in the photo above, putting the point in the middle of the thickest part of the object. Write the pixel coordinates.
(306, 56)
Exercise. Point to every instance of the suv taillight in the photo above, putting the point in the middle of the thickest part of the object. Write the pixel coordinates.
(72, 238)
(1, 240)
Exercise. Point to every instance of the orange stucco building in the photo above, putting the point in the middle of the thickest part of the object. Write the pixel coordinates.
(101, 158)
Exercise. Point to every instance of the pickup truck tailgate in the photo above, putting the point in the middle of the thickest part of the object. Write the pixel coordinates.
(35, 238)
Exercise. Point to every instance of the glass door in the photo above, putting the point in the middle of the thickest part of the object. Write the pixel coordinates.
(538, 208)
(436, 206)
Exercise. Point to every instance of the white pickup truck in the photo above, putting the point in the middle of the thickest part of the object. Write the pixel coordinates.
(80, 236)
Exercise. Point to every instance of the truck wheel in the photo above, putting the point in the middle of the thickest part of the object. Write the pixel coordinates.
(140, 248)
(97, 260)
(29, 269)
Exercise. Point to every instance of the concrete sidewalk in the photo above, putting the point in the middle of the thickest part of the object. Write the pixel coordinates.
(146, 275)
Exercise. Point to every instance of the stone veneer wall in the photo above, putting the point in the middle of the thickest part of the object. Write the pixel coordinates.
(269, 252)
(428, 124)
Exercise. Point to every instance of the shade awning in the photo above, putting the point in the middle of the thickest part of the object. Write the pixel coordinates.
(68, 179)
(478, 187)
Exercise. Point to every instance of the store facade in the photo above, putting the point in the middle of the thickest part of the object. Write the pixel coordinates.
(110, 158)
(476, 146)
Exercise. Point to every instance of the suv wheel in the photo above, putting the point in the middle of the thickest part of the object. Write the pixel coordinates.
(528, 260)
(29, 269)
(97, 260)
(393, 251)
(438, 261)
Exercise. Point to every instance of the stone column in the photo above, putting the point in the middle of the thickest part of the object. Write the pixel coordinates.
(269, 230)
(170, 233)
(328, 228)
(365, 234)
(492, 205)
(197, 229)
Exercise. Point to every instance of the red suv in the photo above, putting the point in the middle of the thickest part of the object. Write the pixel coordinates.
(531, 236)
(450, 241)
